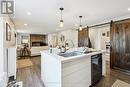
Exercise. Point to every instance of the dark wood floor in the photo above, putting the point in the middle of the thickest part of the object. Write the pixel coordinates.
(31, 75)
(112, 76)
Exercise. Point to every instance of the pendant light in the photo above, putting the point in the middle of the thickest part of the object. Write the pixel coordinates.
(80, 26)
(61, 20)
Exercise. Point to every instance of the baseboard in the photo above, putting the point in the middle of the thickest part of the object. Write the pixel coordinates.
(122, 70)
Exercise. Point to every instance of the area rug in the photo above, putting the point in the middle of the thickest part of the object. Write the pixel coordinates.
(119, 83)
(19, 84)
(15, 84)
(24, 63)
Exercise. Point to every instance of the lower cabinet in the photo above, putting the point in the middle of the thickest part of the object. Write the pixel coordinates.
(77, 73)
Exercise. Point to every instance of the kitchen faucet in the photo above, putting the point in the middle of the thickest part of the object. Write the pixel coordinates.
(68, 43)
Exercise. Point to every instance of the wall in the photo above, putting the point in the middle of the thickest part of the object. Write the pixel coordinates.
(5, 44)
(98, 41)
(1, 46)
(70, 35)
(53, 39)
(11, 43)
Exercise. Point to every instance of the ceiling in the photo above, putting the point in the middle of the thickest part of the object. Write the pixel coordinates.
(45, 14)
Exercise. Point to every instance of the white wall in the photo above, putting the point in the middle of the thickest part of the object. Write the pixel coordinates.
(54, 38)
(1, 46)
(98, 41)
(11, 43)
(69, 35)
(5, 44)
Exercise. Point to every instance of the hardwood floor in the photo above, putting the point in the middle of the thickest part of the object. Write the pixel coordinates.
(31, 75)
(112, 76)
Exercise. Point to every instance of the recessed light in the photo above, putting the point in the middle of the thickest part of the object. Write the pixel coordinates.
(29, 13)
(128, 9)
(25, 24)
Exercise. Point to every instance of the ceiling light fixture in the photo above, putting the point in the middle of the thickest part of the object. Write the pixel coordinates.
(128, 9)
(61, 20)
(29, 13)
(80, 26)
(25, 24)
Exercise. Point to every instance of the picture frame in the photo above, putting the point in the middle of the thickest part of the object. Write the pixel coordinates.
(8, 32)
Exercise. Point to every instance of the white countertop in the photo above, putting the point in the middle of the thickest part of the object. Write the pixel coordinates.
(54, 54)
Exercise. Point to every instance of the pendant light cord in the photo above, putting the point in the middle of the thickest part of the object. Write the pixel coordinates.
(61, 14)
(61, 9)
(80, 20)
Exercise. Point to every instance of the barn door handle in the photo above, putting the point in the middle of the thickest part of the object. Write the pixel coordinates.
(110, 48)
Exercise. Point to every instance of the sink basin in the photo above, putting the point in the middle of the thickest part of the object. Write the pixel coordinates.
(70, 54)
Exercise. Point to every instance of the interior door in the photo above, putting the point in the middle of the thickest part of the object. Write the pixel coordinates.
(120, 45)
(127, 48)
(83, 37)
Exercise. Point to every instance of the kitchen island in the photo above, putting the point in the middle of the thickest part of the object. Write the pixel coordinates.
(73, 71)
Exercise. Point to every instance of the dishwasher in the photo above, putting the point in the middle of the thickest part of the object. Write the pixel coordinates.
(96, 69)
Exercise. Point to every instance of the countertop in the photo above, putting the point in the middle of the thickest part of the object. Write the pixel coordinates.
(54, 54)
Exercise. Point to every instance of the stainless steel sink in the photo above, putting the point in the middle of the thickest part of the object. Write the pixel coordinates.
(70, 54)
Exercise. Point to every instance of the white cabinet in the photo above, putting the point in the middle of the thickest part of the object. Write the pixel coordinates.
(77, 73)
(50, 71)
(57, 71)
(12, 56)
(35, 51)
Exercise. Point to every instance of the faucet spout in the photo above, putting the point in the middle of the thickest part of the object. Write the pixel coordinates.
(68, 43)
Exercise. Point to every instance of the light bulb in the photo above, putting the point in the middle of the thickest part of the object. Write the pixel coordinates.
(61, 24)
(25, 24)
(128, 9)
(80, 28)
(29, 13)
